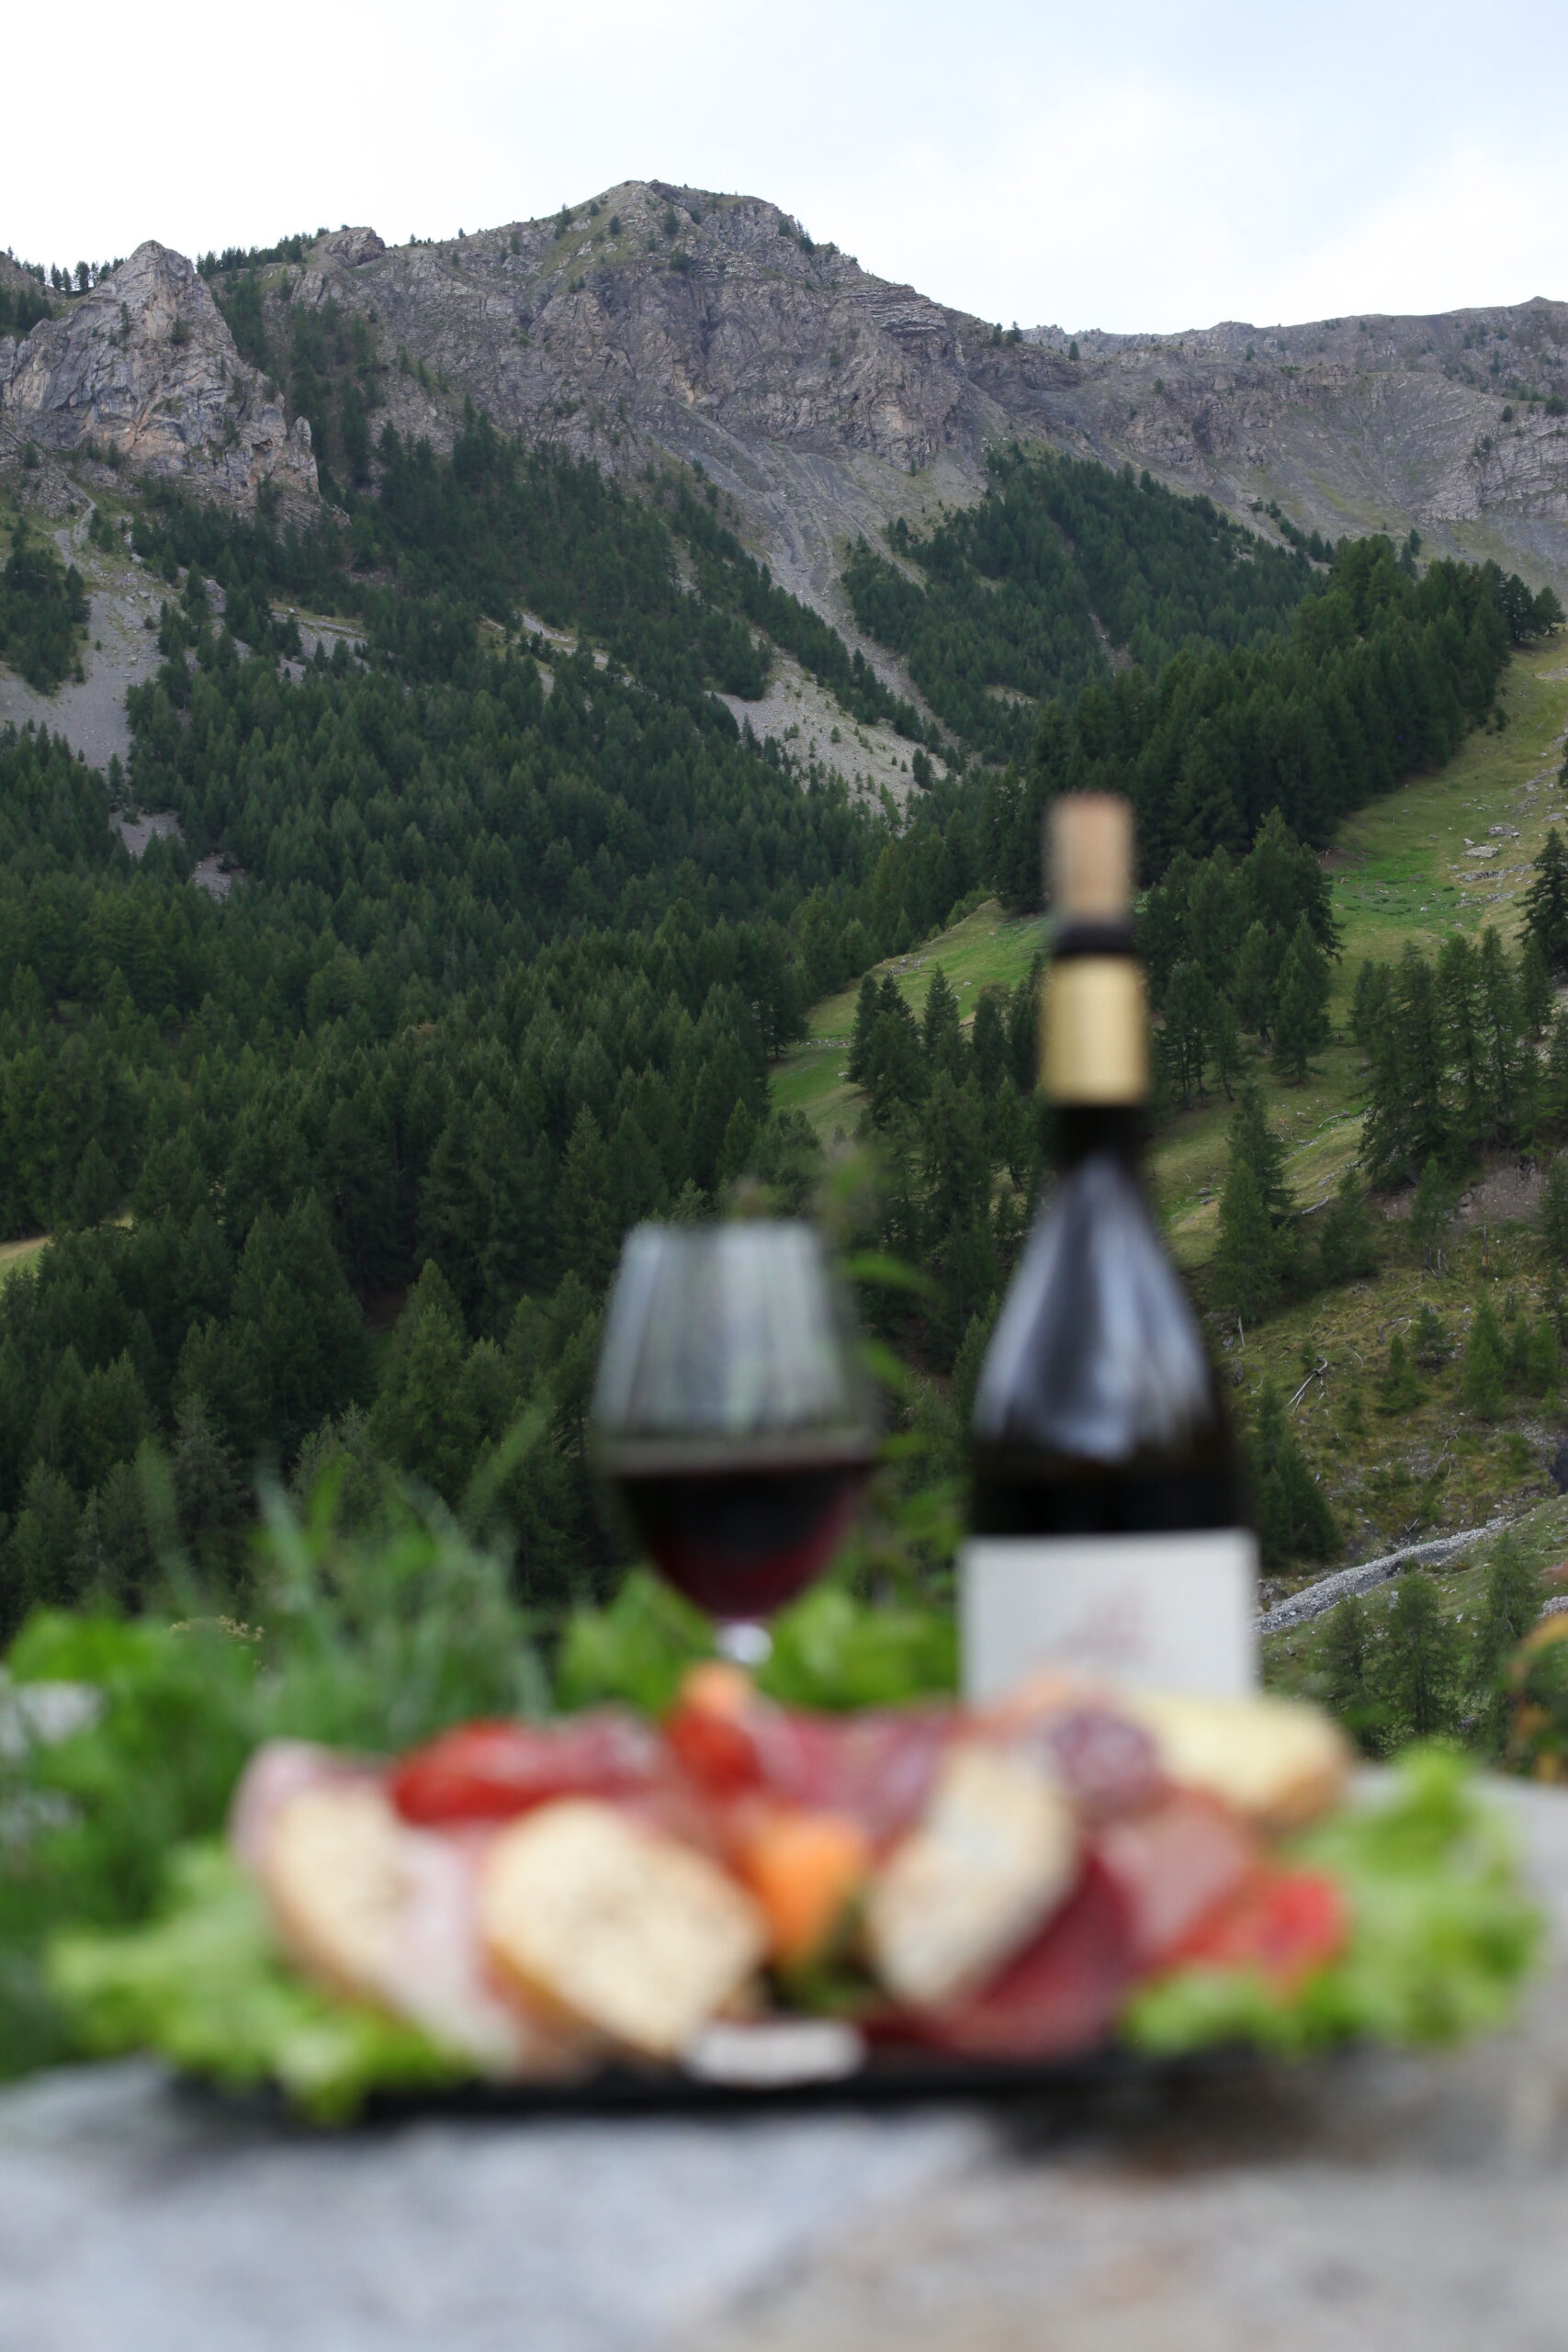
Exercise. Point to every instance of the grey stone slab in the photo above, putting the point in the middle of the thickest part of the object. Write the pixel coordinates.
(132, 2220)
(1378, 2202)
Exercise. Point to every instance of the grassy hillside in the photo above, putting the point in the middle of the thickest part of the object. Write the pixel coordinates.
(988, 949)
(1400, 872)
(1293, 1659)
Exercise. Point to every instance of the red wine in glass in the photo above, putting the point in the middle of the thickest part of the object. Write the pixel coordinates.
(743, 1540)
(732, 1414)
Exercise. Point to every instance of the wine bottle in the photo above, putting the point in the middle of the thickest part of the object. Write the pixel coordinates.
(1107, 1527)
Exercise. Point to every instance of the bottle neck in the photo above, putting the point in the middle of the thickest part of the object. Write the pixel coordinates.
(1094, 1055)
(1080, 1130)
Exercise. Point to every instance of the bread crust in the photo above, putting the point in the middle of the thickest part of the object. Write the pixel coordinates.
(616, 1927)
(332, 1868)
(1278, 1762)
(385, 1916)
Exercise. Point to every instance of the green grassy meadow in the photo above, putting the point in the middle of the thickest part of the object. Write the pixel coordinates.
(988, 949)
(14, 1254)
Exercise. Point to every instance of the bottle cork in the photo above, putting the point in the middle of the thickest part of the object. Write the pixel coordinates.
(1089, 857)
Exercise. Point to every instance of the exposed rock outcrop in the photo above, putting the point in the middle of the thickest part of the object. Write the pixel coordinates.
(662, 319)
(144, 365)
(826, 400)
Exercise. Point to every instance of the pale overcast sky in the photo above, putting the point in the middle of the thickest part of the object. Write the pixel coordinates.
(1132, 166)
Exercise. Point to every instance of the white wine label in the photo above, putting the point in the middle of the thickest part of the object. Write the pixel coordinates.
(1168, 1613)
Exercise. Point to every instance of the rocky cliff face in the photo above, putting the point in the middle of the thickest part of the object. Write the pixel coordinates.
(144, 365)
(661, 319)
(826, 400)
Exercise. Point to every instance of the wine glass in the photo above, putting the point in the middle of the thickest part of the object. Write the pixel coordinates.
(731, 1413)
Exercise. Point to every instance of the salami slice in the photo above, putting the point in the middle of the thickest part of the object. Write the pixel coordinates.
(1060, 1995)
(1173, 1865)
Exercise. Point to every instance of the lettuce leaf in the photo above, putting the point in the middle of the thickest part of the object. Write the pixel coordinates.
(203, 1987)
(1442, 1935)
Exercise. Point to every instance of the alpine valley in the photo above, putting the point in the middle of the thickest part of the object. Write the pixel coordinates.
(504, 736)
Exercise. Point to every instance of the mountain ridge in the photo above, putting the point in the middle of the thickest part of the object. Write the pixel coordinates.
(658, 321)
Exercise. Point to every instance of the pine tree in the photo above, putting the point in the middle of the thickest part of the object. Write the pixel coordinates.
(1420, 1661)
(1258, 1253)
(423, 1420)
(1408, 1118)
(1554, 1304)
(1554, 1077)
(1543, 1363)
(1482, 1382)
(1519, 1352)
(1546, 902)
(1555, 1214)
(1183, 1037)
(1246, 1262)
(971, 1357)
(1257, 980)
(1510, 1063)
(1369, 1005)
(1348, 1660)
(1225, 1041)
(1399, 1390)
(95, 1190)
(1347, 1234)
(43, 1551)
(1536, 994)
(1300, 1018)
(941, 1033)
(1429, 1339)
(1294, 1517)
(865, 1021)
(1511, 1603)
(585, 1216)
(210, 1492)
(988, 1039)
(1432, 1212)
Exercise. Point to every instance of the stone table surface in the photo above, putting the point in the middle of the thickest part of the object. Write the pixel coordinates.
(1376, 2202)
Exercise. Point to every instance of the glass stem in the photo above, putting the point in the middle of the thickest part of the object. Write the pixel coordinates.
(743, 1643)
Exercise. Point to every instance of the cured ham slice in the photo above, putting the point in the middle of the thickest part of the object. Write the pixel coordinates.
(435, 1971)
(493, 1772)
(875, 1770)
(279, 1771)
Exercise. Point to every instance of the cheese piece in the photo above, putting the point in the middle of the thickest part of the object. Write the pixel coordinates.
(993, 1857)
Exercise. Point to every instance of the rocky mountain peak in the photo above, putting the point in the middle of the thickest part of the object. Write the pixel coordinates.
(144, 365)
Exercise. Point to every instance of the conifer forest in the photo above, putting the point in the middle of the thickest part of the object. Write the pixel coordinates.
(335, 1168)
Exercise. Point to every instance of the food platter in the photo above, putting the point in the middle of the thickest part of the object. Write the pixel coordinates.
(740, 1908)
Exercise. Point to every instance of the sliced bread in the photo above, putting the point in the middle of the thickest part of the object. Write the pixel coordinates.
(616, 1927)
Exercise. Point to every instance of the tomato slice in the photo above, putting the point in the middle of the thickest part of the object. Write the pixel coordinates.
(1060, 1995)
(1286, 1924)
(490, 1771)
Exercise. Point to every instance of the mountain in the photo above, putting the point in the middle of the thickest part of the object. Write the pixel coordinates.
(143, 366)
(656, 318)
